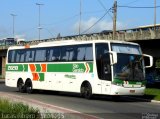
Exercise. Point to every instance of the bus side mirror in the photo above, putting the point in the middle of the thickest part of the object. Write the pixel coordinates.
(148, 59)
(114, 57)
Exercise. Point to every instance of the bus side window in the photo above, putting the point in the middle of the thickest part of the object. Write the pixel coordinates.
(84, 52)
(75, 52)
(54, 54)
(17, 56)
(22, 55)
(49, 54)
(11, 56)
(30, 55)
(40, 55)
(64, 53)
(67, 53)
(81, 54)
(89, 53)
(27, 55)
(31, 58)
(70, 53)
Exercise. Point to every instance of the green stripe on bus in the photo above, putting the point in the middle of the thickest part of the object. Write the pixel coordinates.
(38, 68)
(59, 68)
(119, 81)
(25, 67)
(41, 75)
(74, 67)
(91, 67)
(71, 67)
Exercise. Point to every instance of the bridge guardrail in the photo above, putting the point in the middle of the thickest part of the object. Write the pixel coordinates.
(122, 36)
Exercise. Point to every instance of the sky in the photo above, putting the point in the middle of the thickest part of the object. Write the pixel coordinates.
(63, 17)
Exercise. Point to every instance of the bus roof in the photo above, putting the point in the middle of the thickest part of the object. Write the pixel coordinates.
(71, 42)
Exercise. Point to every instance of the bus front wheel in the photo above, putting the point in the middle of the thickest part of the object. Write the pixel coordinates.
(86, 91)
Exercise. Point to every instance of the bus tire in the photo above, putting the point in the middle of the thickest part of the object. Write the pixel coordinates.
(82, 91)
(86, 91)
(116, 97)
(28, 86)
(20, 86)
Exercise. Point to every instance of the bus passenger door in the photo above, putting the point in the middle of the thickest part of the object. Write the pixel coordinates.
(103, 67)
(105, 74)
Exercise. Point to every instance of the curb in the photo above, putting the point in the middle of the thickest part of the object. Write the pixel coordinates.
(142, 99)
(155, 101)
(2, 80)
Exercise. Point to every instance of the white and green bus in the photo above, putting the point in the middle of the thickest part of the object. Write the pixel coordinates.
(86, 67)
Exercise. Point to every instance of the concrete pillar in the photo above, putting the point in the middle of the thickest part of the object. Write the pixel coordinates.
(3, 67)
(152, 33)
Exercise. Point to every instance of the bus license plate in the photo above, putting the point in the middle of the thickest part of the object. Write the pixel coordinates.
(132, 91)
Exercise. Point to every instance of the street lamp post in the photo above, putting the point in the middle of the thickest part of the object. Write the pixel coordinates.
(80, 17)
(155, 15)
(114, 18)
(13, 15)
(39, 25)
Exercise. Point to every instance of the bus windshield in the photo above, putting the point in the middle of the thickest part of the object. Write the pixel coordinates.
(129, 65)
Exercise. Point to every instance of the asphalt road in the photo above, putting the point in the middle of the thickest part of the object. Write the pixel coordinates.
(101, 106)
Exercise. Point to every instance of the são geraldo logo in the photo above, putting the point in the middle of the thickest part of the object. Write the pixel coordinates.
(76, 68)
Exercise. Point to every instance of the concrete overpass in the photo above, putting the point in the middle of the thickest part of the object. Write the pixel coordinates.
(147, 36)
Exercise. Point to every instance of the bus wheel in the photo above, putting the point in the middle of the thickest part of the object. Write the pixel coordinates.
(20, 86)
(28, 86)
(82, 91)
(116, 98)
(87, 91)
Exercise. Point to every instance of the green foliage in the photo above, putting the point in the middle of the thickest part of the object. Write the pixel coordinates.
(9, 110)
(152, 93)
(17, 110)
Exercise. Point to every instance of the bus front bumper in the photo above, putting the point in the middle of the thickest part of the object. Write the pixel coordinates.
(120, 90)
